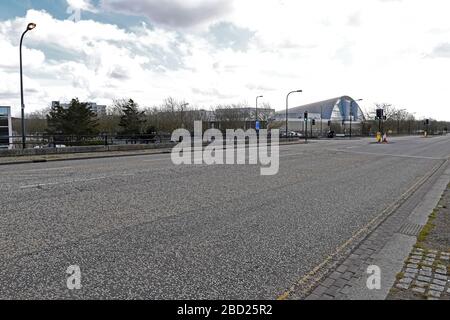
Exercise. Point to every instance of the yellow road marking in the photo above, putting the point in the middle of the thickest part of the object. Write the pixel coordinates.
(392, 206)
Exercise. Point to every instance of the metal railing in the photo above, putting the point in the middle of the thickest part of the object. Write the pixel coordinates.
(58, 140)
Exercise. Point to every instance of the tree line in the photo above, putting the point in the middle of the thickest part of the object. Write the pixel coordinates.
(126, 118)
(400, 121)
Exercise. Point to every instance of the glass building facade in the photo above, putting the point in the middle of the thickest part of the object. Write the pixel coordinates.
(5, 127)
(337, 114)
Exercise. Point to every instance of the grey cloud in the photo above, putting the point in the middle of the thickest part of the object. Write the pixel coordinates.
(262, 88)
(354, 20)
(211, 92)
(119, 73)
(441, 51)
(172, 13)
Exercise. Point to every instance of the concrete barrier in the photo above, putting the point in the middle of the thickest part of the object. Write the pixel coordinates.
(98, 149)
(87, 149)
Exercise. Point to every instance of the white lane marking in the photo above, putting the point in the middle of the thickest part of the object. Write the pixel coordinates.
(388, 154)
(32, 186)
(156, 160)
(293, 154)
(48, 169)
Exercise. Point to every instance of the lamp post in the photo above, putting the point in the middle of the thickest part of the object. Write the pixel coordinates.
(287, 109)
(184, 105)
(256, 114)
(30, 27)
(351, 114)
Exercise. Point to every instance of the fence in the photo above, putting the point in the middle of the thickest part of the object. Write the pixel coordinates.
(53, 141)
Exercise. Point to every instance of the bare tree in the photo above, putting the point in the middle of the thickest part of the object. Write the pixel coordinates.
(233, 116)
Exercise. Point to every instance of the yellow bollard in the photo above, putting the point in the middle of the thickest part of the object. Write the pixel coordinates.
(379, 137)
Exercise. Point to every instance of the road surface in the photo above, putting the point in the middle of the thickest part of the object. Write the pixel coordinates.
(142, 228)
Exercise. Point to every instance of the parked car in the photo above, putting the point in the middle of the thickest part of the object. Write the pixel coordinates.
(292, 134)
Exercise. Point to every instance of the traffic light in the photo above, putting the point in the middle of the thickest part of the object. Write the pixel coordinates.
(313, 122)
(380, 114)
(427, 122)
(306, 115)
(329, 123)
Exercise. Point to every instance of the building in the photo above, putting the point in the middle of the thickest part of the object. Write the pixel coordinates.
(224, 118)
(99, 110)
(244, 118)
(5, 128)
(337, 114)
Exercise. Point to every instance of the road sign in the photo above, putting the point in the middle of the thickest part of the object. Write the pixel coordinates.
(258, 125)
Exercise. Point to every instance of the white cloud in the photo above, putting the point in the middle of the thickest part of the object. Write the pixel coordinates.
(173, 13)
(382, 51)
(85, 5)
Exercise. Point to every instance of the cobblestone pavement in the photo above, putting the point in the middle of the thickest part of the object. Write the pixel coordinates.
(425, 272)
(425, 275)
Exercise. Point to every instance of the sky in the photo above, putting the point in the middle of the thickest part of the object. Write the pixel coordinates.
(212, 52)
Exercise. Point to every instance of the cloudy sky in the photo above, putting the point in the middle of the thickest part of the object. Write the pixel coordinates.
(211, 52)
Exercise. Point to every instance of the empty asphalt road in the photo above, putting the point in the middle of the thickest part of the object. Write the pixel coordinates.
(142, 228)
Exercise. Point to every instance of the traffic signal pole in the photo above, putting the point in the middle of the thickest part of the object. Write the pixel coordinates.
(306, 127)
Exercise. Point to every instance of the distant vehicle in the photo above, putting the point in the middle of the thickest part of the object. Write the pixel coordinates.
(292, 134)
(296, 134)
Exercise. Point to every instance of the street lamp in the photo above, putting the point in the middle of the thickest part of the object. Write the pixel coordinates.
(184, 105)
(287, 109)
(256, 115)
(351, 114)
(30, 27)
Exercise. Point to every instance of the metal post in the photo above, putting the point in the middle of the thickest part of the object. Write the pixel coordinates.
(351, 123)
(22, 104)
(321, 121)
(184, 105)
(287, 110)
(306, 130)
(306, 127)
(30, 27)
(351, 114)
(256, 114)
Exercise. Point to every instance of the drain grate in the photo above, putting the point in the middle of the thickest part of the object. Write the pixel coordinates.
(410, 229)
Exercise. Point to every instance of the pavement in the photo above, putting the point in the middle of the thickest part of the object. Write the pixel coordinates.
(141, 228)
(12, 160)
(426, 271)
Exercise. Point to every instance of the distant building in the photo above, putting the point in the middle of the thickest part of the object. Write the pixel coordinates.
(241, 117)
(99, 110)
(5, 128)
(335, 114)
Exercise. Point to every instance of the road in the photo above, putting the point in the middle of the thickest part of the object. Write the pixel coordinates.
(142, 228)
